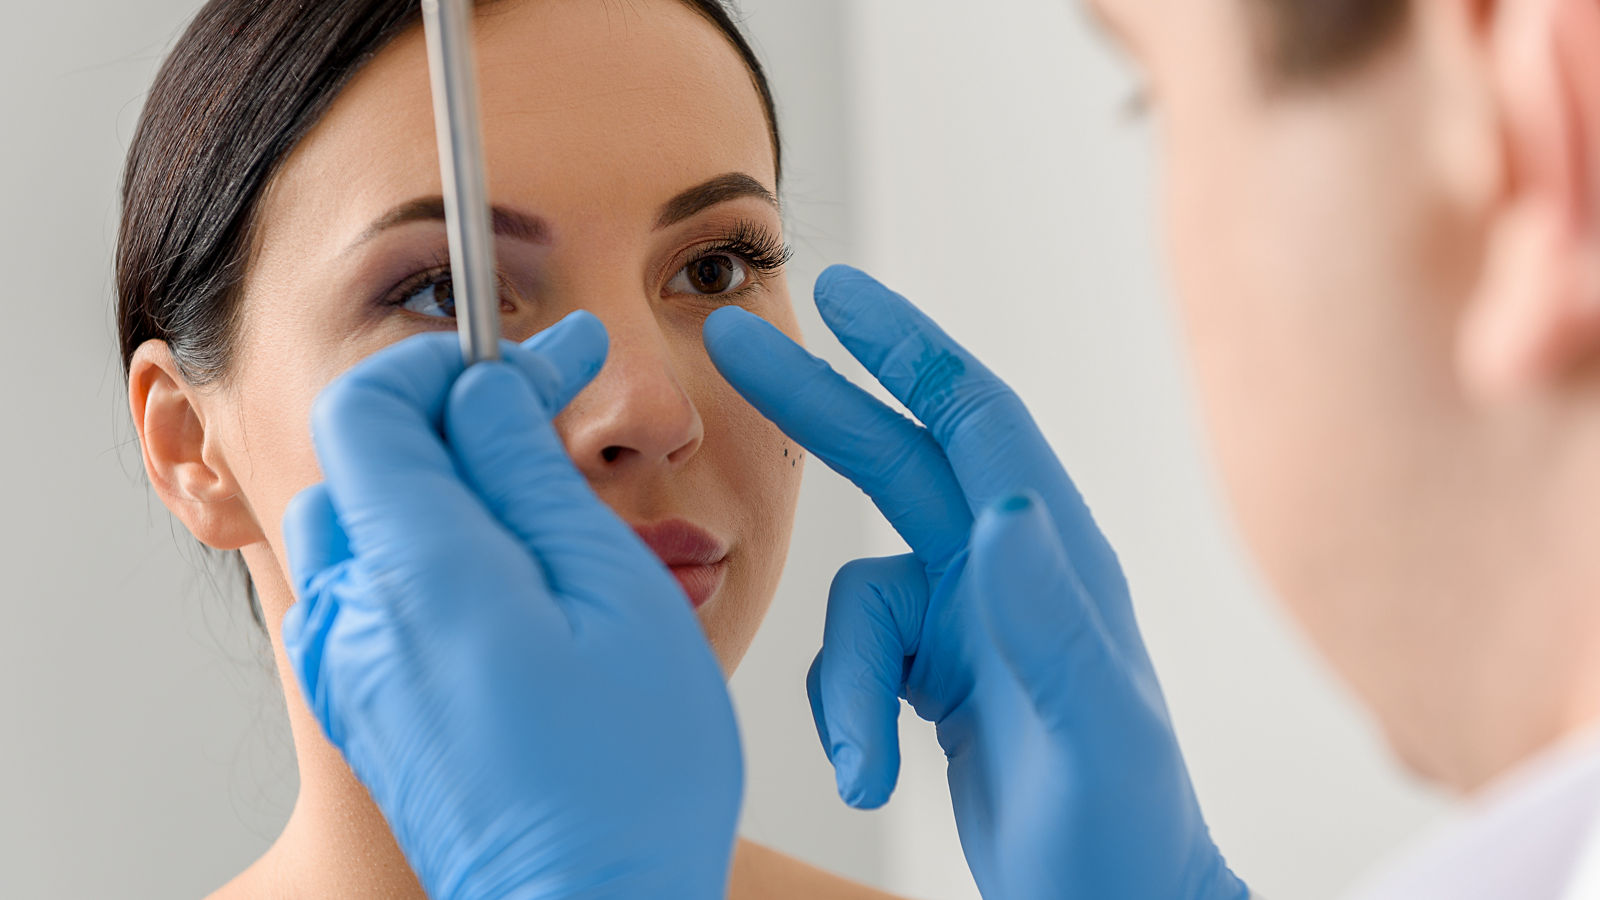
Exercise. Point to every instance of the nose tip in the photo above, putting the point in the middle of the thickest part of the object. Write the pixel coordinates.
(635, 415)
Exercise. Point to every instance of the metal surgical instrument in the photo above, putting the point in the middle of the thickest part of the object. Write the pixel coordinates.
(474, 278)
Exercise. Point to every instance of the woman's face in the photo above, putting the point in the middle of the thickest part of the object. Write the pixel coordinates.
(632, 171)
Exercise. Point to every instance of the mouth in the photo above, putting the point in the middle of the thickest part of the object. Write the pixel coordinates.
(696, 557)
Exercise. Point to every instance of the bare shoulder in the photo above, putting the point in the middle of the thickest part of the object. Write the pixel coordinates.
(248, 885)
(261, 881)
(244, 886)
(761, 873)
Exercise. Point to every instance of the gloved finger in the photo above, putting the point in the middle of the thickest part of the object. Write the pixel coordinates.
(963, 404)
(317, 551)
(875, 611)
(573, 350)
(312, 537)
(894, 460)
(1042, 621)
(376, 428)
(985, 430)
(508, 451)
(377, 434)
(814, 694)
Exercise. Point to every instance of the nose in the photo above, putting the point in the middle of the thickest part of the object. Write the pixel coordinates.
(635, 418)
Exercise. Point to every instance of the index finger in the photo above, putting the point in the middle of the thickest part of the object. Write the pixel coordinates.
(987, 433)
(889, 457)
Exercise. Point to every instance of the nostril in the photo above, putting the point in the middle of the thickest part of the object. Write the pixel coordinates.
(610, 454)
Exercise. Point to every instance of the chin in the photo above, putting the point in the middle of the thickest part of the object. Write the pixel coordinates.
(727, 630)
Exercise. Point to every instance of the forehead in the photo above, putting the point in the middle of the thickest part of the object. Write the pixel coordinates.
(586, 106)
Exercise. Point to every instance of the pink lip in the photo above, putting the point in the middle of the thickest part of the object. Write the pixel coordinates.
(697, 558)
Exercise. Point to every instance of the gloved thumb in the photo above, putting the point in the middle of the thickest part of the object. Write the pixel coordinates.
(875, 613)
(317, 548)
(507, 449)
(1038, 613)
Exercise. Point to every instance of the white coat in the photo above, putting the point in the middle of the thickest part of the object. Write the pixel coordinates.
(1532, 835)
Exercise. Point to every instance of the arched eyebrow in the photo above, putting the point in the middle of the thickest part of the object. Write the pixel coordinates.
(532, 229)
(720, 189)
(507, 222)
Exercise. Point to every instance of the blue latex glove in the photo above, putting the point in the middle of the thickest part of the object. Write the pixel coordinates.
(515, 677)
(1009, 625)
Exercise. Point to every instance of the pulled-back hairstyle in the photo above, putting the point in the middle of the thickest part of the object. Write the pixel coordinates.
(1309, 39)
(243, 85)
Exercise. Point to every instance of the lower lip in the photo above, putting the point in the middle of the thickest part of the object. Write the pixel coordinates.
(700, 582)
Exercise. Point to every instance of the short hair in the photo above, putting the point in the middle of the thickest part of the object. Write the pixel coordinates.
(1307, 40)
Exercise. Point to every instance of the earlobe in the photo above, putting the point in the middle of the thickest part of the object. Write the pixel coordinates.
(1535, 314)
(180, 457)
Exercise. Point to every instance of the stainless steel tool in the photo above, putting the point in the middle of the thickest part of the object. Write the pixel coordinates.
(448, 25)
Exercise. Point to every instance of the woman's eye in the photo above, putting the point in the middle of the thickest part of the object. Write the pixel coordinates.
(718, 273)
(437, 299)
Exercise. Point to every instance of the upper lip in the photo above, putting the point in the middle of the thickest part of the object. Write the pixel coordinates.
(681, 543)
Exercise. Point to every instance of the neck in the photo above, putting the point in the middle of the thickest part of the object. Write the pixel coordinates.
(336, 843)
(1531, 677)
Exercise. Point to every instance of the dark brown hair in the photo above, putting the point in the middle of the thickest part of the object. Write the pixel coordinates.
(243, 85)
(1305, 40)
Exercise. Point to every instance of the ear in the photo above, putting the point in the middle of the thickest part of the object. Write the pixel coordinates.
(183, 458)
(1535, 317)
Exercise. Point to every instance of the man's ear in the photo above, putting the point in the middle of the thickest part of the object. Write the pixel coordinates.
(1535, 316)
(184, 460)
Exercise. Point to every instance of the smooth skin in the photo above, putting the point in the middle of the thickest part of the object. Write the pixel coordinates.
(596, 115)
(1395, 333)
(1391, 285)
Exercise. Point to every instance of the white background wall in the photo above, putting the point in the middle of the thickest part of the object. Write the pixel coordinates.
(971, 154)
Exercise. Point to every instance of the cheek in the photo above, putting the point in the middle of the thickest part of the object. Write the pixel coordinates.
(1316, 354)
(756, 472)
(759, 468)
(277, 441)
(281, 371)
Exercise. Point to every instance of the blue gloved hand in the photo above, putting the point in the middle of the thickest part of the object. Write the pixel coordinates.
(515, 677)
(1009, 625)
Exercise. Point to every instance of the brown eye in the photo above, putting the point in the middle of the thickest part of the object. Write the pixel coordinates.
(436, 299)
(715, 274)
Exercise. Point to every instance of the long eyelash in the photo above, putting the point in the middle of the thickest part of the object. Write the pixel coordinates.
(435, 274)
(755, 245)
(438, 273)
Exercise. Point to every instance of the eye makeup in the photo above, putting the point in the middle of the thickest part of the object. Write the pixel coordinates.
(755, 245)
(430, 293)
(752, 246)
(723, 268)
